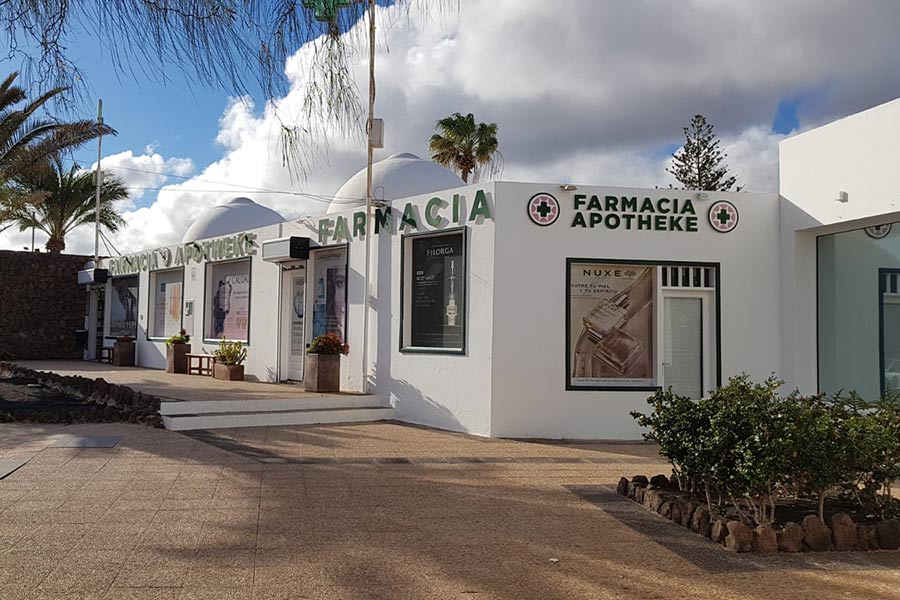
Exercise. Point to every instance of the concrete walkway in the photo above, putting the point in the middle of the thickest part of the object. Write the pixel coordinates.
(372, 511)
(171, 386)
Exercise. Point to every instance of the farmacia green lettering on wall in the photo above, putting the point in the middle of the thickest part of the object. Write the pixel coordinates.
(622, 212)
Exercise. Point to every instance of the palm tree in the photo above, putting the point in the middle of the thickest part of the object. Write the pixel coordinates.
(28, 141)
(462, 145)
(66, 200)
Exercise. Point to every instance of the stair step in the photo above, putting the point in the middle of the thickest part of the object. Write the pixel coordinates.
(219, 420)
(194, 407)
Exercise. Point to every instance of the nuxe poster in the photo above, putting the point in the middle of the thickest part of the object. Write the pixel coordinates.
(123, 307)
(437, 297)
(610, 328)
(330, 289)
(228, 301)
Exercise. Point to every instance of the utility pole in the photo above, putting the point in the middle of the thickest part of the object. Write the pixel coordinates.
(370, 124)
(33, 217)
(99, 180)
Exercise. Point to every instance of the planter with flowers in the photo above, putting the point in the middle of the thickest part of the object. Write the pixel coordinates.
(123, 351)
(229, 361)
(323, 363)
(177, 348)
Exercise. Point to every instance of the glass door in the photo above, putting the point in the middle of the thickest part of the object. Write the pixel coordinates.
(683, 345)
(297, 332)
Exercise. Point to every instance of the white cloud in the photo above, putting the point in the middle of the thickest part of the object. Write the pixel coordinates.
(147, 170)
(590, 93)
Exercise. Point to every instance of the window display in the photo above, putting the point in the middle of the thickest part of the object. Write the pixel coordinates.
(435, 292)
(611, 309)
(165, 302)
(228, 301)
(123, 305)
(330, 300)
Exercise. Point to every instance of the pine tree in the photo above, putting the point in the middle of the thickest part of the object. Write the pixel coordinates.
(699, 164)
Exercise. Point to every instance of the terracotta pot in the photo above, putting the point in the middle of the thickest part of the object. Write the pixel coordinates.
(123, 354)
(228, 372)
(176, 358)
(323, 373)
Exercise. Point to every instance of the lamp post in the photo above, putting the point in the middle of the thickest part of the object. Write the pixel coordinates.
(326, 10)
(99, 178)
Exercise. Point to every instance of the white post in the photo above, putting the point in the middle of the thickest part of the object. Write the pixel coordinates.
(369, 127)
(99, 178)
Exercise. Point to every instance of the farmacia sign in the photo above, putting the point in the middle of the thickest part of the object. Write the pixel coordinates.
(233, 246)
(633, 213)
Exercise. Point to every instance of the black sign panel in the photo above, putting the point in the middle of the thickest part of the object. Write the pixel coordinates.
(438, 292)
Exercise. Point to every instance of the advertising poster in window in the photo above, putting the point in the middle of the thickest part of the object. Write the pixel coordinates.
(167, 303)
(298, 335)
(330, 288)
(123, 307)
(611, 310)
(437, 300)
(228, 300)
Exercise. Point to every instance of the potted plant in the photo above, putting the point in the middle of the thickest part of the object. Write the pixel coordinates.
(229, 361)
(323, 363)
(123, 351)
(177, 348)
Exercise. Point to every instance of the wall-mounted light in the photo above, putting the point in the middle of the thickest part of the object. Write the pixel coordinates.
(568, 187)
(701, 196)
(842, 196)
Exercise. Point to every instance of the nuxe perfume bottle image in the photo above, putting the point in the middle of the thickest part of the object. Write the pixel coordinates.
(451, 302)
(606, 316)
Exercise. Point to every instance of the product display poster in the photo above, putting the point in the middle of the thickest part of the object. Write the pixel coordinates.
(228, 300)
(330, 288)
(123, 305)
(298, 341)
(166, 303)
(437, 294)
(611, 316)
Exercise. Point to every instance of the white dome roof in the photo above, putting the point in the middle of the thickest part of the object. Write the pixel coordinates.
(238, 214)
(397, 176)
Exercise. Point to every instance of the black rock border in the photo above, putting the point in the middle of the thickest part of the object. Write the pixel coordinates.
(106, 402)
(841, 534)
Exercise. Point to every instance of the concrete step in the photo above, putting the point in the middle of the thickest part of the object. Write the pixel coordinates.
(195, 407)
(224, 420)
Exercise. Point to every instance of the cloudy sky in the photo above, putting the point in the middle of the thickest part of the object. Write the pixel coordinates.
(591, 93)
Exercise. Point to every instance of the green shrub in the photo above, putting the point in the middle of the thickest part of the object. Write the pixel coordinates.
(230, 353)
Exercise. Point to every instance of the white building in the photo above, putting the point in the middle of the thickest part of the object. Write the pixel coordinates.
(548, 310)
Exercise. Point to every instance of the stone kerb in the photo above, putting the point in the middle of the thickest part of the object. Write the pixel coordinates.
(841, 533)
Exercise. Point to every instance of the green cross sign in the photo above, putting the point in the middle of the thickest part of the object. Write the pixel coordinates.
(326, 10)
(544, 209)
(723, 216)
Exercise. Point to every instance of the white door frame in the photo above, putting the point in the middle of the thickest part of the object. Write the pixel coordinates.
(285, 322)
(708, 334)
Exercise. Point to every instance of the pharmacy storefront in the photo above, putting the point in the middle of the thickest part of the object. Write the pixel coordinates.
(547, 310)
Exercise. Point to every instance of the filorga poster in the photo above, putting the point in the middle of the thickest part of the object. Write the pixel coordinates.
(437, 294)
(330, 300)
(123, 307)
(230, 293)
(611, 310)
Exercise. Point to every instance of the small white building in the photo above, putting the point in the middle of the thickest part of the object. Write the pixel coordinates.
(549, 310)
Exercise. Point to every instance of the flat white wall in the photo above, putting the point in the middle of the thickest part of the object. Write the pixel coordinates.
(529, 397)
(858, 154)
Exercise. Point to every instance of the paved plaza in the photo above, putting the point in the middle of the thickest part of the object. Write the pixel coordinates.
(365, 511)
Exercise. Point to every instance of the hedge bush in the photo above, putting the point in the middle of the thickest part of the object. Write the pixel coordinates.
(746, 445)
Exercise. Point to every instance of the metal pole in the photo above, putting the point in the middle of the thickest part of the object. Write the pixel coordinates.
(33, 217)
(369, 127)
(99, 178)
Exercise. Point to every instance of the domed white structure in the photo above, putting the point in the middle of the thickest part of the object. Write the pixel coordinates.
(397, 176)
(238, 214)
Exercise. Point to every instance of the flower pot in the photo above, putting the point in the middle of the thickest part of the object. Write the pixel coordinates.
(123, 354)
(176, 358)
(228, 372)
(323, 373)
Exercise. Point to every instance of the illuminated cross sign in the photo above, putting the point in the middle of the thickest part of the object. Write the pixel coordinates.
(723, 216)
(326, 10)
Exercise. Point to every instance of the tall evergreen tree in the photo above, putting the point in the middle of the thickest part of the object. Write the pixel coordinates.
(700, 163)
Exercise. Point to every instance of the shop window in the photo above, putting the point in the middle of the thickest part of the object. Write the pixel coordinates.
(227, 303)
(433, 311)
(330, 292)
(123, 306)
(639, 326)
(858, 312)
(166, 293)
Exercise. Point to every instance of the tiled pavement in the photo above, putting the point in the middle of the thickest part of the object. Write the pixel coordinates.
(365, 512)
